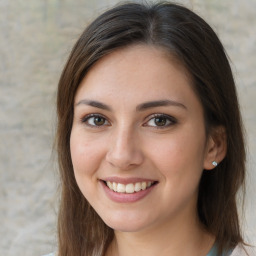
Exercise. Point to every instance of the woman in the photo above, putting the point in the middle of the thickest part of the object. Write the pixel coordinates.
(150, 143)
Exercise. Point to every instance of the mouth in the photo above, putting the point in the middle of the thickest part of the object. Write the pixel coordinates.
(129, 188)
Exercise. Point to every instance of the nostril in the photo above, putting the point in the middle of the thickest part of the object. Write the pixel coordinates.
(124, 159)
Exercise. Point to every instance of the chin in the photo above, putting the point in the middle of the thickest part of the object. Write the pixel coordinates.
(126, 224)
(127, 227)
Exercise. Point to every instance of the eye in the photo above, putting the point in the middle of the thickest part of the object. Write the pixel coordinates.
(95, 120)
(161, 121)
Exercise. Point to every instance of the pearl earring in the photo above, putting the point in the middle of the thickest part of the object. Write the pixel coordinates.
(214, 163)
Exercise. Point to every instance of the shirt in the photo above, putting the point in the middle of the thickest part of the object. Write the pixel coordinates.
(239, 250)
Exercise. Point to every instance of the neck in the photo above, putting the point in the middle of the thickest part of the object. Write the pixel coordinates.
(176, 238)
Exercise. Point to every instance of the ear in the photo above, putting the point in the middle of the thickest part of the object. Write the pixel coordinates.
(216, 148)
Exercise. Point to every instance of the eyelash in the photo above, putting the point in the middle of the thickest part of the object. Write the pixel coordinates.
(166, 118)
(169, 119)
(93, 116)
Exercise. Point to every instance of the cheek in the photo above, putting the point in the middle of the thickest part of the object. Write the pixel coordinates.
(84, 154)
(85, 162)
(180, 156)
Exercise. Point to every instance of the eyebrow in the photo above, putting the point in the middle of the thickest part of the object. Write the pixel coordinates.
(140, 107)
(94, 103)
(159, 103)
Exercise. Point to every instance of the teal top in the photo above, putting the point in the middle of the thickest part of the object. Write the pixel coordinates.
(214, 251)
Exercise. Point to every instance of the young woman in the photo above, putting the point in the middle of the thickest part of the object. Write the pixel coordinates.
(150, 143)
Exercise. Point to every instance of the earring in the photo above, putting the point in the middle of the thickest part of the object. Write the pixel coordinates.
(214, 163)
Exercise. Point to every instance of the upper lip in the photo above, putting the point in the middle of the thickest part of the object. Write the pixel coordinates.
(126, 181)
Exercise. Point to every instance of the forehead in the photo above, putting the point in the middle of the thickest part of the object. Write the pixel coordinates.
(133, 69)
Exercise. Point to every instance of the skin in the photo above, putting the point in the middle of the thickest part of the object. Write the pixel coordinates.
(127, 141)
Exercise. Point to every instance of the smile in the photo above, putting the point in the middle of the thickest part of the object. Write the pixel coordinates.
(129, 188)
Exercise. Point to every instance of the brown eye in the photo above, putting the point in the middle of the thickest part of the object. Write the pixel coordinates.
(95, 120)
(98, 120)
(160, 121)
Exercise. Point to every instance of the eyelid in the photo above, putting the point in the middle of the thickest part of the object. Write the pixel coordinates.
(85, 118)
(171, 119)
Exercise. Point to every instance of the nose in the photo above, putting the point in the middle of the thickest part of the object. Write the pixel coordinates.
(124, 150)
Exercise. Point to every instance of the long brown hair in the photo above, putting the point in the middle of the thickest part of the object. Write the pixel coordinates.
(191, 40)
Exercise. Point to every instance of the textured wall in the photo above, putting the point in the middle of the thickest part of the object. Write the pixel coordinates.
(36, 37)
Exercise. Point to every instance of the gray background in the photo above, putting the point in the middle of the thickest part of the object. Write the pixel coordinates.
(36, 37)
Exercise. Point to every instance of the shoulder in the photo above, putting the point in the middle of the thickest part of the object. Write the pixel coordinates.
(243, 250)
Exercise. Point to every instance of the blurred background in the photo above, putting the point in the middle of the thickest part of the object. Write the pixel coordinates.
(36, 38)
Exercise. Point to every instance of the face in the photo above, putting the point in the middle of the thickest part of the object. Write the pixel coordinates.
(138, 143)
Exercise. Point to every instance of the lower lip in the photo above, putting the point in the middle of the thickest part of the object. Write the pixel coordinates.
(126, 197)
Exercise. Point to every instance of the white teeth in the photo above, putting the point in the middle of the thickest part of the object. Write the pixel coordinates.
(114, 186)
(120, 188)
(137, 186)
(129, 188)
(110, 185)
(143, 185)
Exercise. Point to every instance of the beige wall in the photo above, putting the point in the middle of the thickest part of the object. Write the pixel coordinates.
(36, 37)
